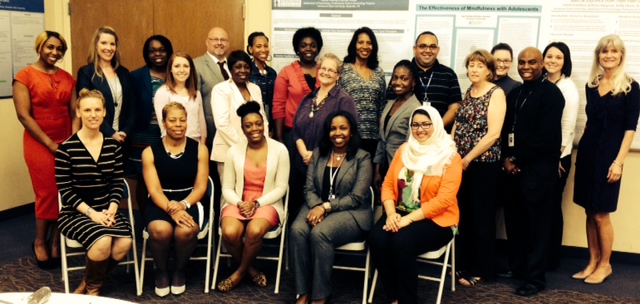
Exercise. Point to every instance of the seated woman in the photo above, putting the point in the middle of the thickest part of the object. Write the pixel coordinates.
(175, 171)
(336, 212)
(419, 200)
(253, 188)
(89, 175)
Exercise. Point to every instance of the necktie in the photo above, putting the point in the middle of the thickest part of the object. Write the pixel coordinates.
(225, 75)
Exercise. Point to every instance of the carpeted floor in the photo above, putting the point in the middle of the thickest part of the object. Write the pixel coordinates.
(23, 275)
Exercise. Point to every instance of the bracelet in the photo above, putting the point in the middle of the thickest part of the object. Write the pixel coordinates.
(88, 213)
(619, 165)
(186, 204)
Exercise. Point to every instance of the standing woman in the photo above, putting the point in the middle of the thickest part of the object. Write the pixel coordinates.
(476, 131)
(262, 74)
(226, 98)
(394, 125)
(557, 64)
(174, 214)
(145, 82)
(181, 86)
(613, 105)
(254, 186)
(420, 205)
(104, 73)
(295, 81)
(44, 98)
(363, 79)
(313, 110)
(336, 210)
(90, 178)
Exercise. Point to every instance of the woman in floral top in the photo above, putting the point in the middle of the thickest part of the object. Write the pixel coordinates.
(476, 132)
(419, 199)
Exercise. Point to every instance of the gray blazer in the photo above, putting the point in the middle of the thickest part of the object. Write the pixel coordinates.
(394, 135)
(209, 75)
(351, 187)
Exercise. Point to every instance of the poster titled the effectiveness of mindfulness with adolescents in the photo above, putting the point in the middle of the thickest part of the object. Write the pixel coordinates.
(464, 26)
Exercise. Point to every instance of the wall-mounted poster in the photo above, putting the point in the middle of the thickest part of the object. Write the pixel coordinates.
(20, 23)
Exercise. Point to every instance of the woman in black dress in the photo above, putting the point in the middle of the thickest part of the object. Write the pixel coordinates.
(175, 171)
(89, 176)
(613, 105)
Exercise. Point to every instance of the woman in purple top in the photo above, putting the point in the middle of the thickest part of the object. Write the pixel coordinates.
(314, 109)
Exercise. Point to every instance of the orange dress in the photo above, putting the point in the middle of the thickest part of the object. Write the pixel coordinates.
(50, 95)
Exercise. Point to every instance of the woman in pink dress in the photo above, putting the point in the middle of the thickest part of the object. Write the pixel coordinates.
(44, 97)
(254, 184)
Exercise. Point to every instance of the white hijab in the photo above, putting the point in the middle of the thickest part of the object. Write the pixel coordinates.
(430, 157)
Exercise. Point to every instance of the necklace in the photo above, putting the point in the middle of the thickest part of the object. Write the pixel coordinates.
(338, 156)
(174, 156)
(314, 107)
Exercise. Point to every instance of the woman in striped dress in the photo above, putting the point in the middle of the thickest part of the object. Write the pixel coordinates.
(89, 175)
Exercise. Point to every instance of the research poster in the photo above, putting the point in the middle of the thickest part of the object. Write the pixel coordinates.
(20, 23)
(462, 27)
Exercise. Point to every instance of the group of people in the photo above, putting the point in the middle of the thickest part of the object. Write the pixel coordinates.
(325, 130)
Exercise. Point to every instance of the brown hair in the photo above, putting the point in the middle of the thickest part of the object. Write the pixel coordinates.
(86, 93)
(94, 58)
(172, 105)
(192, 81)
(485, 58)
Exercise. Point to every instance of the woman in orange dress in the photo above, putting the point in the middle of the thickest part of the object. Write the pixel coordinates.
(44, 97)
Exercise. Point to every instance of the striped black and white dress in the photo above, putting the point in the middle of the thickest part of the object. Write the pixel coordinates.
(81, 179)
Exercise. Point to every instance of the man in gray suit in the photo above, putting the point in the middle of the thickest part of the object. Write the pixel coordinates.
(212, 69)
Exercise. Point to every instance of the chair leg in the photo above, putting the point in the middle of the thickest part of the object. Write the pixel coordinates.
(280, 256)
(143, 261)
(373, 286)
(208, 271)
(64, 266)
(366, 278)
(217, 264)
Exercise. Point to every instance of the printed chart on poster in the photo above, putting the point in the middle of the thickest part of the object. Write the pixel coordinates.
(462, 27)
(20, 23)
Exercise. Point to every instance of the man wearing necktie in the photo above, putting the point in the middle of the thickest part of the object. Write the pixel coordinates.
(212, 69)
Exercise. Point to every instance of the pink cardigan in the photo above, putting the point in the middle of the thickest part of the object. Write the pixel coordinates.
(290, 88)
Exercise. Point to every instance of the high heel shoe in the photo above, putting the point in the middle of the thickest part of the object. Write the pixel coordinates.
(46, 264)
(591, 280)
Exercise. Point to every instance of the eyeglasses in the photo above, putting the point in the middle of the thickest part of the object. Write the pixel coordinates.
(219, 40)
(432, 47)
(424, 125)
(330, 71)
(505, 61)
(160, 51)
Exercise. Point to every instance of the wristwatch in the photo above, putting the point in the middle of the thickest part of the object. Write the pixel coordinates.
(257, 204)
(512, 159)
(327, 207)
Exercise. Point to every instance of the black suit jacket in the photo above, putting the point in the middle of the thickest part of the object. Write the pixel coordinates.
(143, 93)
(86, 79)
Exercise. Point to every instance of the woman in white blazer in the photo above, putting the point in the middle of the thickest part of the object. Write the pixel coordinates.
(226, 97)
(254, 184)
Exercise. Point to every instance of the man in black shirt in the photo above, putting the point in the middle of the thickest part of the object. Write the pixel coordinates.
(531, 139)
(436, 83)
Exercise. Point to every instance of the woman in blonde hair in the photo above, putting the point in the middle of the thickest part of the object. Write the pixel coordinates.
(90, 178)
(613, 106)
(46, 112)
(104, 73)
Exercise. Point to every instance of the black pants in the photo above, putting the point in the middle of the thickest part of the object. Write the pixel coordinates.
(557, 221)
(527, 213)
(394, 255)
(477, 201)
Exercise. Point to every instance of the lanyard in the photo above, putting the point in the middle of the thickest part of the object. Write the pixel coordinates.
(332, 175)
(518, 108)
(426, 97)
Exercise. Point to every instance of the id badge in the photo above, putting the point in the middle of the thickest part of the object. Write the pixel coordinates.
(511, 140)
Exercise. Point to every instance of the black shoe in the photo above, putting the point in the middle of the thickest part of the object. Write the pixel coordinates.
(527, 290)
(507, 274)
(46, 264)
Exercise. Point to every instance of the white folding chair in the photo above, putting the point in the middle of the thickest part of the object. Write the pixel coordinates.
(358, 248)
(206, 231)
(430, 258)
(79, 250)
(278, 231)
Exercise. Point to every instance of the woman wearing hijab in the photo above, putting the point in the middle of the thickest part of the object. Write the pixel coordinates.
(420, 204)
